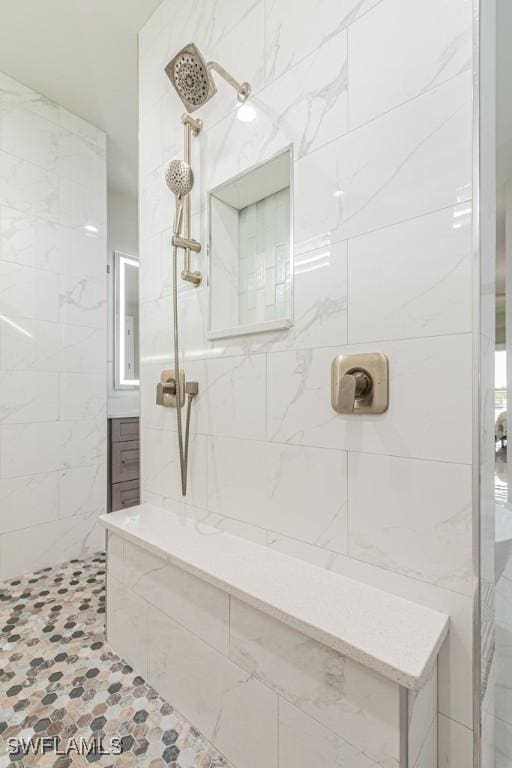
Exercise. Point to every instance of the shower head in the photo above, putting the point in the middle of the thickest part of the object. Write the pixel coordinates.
(191, 76)
(179, 178)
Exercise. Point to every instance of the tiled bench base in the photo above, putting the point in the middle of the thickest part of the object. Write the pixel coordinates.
(262, 692)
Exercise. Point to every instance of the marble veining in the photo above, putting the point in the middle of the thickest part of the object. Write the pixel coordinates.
(376, 100)
(52, 330)
(366, 625)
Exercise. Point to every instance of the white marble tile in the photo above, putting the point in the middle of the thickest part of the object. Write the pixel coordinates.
(29, 344)
(82, 396)
(233, 398)
(192, 602)
(71, 122)
(33, 242)
(234, 36)
(83, 490)
(150, 266)
(82, 302)
(455, 744)
(80, 349)
(279, 486)
(428, 755)
(414, 517)
(170, 130)
(422, 716)
(29, 137)
(320, 556)
(230, 708)
(208, 520)
(115, 557)
(488, 718)
(383, 172)
(17, 501)
(151, 155)
(80, 159)
(156, 327)
(353, 702)
(399, 51)
(28, 187)
(38, 144)
(304, 742)
(293, 31)
(160, 468)
(456, 655)
(155, 333)
(320, 298)
(32, 548)
(307, 107)
(412, 279)
(503, 659)
(153, 82)
(211, 523)
(300, 411)
(81, 205)
(15, 95)
(503, 737)
(27, 292)
(355, 620)
(127, 624)
(156, 203)
(43, 447)
(27, 397)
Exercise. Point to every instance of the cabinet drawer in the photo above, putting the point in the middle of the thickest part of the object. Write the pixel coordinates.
(125, 429)
(125, 495)
(125, 461)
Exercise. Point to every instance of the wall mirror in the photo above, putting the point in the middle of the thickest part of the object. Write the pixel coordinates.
(250, 243)
(127, 321)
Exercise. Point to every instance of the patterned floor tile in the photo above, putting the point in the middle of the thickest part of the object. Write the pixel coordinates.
(62, 685)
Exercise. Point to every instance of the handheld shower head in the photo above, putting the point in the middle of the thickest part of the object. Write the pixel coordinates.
(191, 76)
(179, 178)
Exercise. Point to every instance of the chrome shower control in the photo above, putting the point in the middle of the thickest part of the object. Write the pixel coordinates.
(359, 383)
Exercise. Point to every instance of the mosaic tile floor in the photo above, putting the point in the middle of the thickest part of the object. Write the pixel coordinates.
(62, 686)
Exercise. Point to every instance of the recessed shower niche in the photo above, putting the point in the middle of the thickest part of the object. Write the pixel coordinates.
(251, 250)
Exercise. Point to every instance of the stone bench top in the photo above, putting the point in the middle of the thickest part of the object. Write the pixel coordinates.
(392, 636)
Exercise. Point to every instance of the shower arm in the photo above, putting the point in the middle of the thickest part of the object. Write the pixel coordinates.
(243, 89)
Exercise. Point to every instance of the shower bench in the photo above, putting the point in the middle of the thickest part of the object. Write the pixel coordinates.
(274, 660)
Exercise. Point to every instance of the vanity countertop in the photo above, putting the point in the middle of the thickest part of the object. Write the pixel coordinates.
(392, 636)
(124, 415)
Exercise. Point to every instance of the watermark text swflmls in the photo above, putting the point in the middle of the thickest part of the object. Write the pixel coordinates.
(40, 745)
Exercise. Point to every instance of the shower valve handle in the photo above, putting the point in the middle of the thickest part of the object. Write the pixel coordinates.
(164, 388)
(354, 385)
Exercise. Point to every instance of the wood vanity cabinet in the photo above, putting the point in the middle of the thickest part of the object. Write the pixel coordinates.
(124, 473)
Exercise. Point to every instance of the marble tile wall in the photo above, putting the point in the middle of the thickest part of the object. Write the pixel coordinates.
(377, 101)
(52, 332)
(261, 691)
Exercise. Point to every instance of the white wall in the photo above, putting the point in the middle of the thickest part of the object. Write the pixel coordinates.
(377, 100)
(122, 235)
(52, 332)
